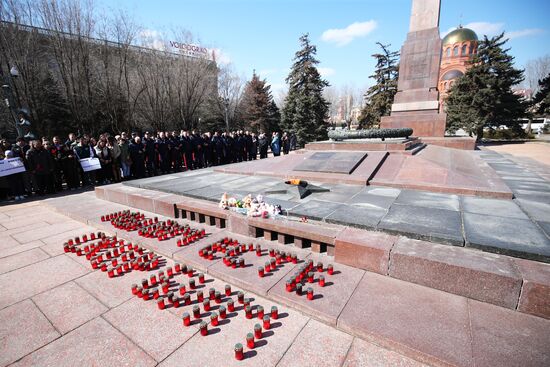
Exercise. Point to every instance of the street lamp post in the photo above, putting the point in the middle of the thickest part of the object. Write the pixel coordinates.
(8, 97)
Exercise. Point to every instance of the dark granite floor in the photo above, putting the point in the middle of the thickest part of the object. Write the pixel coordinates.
(518, 227)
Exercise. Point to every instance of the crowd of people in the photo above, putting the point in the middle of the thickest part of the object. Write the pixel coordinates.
(52, 165)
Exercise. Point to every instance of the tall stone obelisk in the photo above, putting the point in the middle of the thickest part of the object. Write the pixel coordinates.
(416, 103)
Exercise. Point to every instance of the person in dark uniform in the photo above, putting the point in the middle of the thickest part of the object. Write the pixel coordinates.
(176, 151)
(187, 150)
(150, 154)
(137, 155)
(42, 167)
(263, 144)
(162, 148)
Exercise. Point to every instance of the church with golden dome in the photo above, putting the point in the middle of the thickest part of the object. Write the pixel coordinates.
(458, 47)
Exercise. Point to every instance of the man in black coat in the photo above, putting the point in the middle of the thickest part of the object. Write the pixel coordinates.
(137, 155)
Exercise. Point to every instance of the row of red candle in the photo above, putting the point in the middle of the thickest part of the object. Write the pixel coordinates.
(231, 248)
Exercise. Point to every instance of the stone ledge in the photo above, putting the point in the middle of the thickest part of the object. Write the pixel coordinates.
(535, 293)
(364, 249)
(473, 274)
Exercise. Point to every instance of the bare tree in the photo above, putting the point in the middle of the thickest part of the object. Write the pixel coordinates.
(535, 70)
(230, 88)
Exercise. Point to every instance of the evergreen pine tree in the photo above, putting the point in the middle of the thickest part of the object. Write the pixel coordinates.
(483, 96)
(379, 97)
(542, 98)
(306, 111)
(256, 106)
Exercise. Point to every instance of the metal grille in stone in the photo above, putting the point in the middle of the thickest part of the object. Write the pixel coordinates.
(332, 162)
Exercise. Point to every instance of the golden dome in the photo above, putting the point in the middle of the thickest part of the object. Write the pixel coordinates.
(459, 35)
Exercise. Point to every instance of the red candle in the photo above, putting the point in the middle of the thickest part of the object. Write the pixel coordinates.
(146, 296)
(196, 312)
(267, 322)
(214, 319)
(139, 292)
(227, 290)
(240, 297)
(258, 331)
(289, 286)
(144, 284)
(201, 278)
(182, 289)
(223, 312)
(206, 304)
(212, 293)
(239, 355)
(218, 297)
(274, 312)
(156, 293)
(260, 271)
(200, 296)
(160, 303)
(248, 312)
(189, 272)
(250, 340)
(230, 305)
(170, 272)
(299, 289)
(310, 294)
(165, 288)
(175, 302)
(177, 268)
(330, 269)
(186, 319)
(111, 272)
(192, 283)
(321, 281)
(119, 270)
(320, 267)
(203, 328)
(310, 277)
(260, 312)
(134, 289)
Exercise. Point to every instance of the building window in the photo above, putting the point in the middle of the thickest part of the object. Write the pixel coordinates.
(464, 50)
(448, 52)
(455, 51)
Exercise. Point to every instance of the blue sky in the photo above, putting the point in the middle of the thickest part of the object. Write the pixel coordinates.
(263, 34)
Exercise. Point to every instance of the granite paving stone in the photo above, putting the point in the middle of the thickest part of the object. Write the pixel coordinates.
(315, 209)
(317, 345)
(502, 337)
(426, 324)
(512, 236)
(217, 348)
(545, 227)
(22, 259)
(12, 247)
(47, 231)
(357, 216)
(538, 211)
(68, 306)
(95, 343)
(496, 207)
(438, 225)
(329, 300)
(428, 200)
(535, 292)
(365, 354)
(376, 198)
(36, 278)
(157, 332)
(23, 329)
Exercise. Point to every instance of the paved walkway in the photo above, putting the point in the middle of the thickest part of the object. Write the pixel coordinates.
(55, 310)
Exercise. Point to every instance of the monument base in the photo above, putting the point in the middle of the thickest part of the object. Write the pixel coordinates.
(424, 124)
(397, 146)
(456, 142)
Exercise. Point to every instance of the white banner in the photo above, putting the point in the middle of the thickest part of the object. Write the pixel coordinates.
(90, 164)
(11, 166)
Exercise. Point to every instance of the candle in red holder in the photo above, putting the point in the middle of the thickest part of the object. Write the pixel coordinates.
(330, 269)
(227, 290)
(223, 312)
(267, 266)
(310, 277)
(119, 270)
(206, 304)
(177, 268)
(192, 284)
(260, 312)
(258, 331)
(203, 328)
(250, 340)
(201, 278)
(182, 289)
(144, 284)
(200, 296)
(146, 296)
(218, 297)
(261, 272)
(248, 312)
(214, 319)
(196, 312)
(114, 262)
(321, 281)
(160, 303)
(139, 292)
(240, 297)
(176, 302)
(111, 272)
(186, 299)
(299, 289)
(289, 286)
(310, 293)
(77, 240)
(186, 319)
(274, 312)
(165, 287)
(267, 322)
(189, 272)
(230, 305)
(156, 293)
(134, 289)
(241, 262)
(246, 302)
(170, 272)
(239, 355)
(272, 253)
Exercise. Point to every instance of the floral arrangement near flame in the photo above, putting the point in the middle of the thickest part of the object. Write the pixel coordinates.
(251, 206)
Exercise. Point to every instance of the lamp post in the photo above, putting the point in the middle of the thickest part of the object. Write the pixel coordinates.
(226, 112)
(8, 97)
